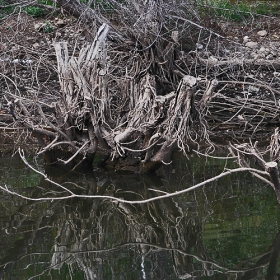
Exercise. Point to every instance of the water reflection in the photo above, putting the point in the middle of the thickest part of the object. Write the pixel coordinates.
(228, 230)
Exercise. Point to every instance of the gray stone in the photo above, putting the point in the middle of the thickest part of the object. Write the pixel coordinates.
(262, 33)
(253, 89)
(254, 55)
(262, 50)
(245, 39)
(39, 26)
(60, 23)
(251, 45)
(270, 57)
(36, 45)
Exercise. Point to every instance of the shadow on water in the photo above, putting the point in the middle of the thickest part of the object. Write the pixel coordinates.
(226, 230)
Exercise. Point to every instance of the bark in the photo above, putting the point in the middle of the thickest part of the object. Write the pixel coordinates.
(163, 156)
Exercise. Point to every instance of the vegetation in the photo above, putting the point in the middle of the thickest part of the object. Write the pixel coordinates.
(35, 11)
(127, 91)
(141, 83)
(227, 9)
(240, 10)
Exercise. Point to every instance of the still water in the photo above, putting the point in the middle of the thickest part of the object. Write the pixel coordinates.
(225, 230)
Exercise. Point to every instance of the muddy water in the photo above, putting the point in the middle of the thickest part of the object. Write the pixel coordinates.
(225, 230)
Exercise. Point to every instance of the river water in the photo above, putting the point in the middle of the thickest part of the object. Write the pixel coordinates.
(225, 230)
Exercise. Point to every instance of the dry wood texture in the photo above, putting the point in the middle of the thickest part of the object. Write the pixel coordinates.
(152, 79)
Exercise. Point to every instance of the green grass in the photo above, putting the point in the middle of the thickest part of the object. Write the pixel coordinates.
(240, 10)
(35, 11)
(48, 28)
(5, 11)
(32, 10)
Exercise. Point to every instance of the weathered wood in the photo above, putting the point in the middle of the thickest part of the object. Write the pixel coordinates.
(272, 169)
(163, 156)
(208, 94)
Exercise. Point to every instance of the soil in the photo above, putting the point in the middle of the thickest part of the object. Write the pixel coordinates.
(26, 39)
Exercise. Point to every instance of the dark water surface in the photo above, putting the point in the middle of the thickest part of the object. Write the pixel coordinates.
(225, 230)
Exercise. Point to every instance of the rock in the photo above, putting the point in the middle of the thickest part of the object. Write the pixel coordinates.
(39, 26)
(270, 57)
(263, 52)
(251, 45)
(213, 60)
(253, 89)
(254, 55)
(245, 39)
(2, 47)
(36, 46)
(262, 33)
(60, 23)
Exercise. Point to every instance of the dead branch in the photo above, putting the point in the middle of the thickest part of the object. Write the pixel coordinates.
(223, 174)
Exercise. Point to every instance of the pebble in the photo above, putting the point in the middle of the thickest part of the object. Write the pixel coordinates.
(262, 50)
(252, 45)
(39, 26)
(253, 89)
(36, 45)
(262, 33)
(60, 23)
(270, 57)
(2, 46)
(213, 59)
(245, 39)
(254, 55)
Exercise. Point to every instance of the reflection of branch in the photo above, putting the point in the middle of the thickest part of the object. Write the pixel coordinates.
(272, 267)
(223, 174)
(78, 151)
(21, 153)
(153, 246)
(117, 247)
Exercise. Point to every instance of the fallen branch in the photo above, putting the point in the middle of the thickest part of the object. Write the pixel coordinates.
(223, 174)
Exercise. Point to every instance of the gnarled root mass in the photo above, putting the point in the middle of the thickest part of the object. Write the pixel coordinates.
(141, 88)
(151, 128)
